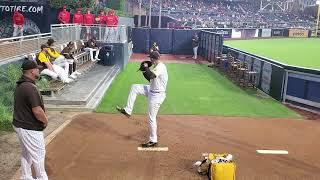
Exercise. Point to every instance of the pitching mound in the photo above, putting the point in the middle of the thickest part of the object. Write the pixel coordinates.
(104, 146)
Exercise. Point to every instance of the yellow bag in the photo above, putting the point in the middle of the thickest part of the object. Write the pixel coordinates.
(223, 171)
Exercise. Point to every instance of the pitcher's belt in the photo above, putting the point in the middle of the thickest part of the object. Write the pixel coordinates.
(157, 91)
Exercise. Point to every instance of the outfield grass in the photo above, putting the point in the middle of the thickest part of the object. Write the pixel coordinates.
(302, 52)
(194, 89)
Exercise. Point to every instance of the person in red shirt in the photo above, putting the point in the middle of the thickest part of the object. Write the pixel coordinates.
(88, 21)
(101, 18)
(78, 17)
(64, 16)
(18, 22)
(112, 21)
(78, 20)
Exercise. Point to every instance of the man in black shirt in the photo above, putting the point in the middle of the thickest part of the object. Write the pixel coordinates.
(91, 46)
(29, 121)
(154, 47)
(195, 45)
(67, 53)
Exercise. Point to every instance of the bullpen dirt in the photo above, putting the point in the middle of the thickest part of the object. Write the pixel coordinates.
(104, 146)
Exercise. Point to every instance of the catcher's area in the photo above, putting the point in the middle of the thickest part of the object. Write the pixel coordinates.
(104, 146)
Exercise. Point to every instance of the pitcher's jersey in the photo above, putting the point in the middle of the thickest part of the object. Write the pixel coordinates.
(159, 84)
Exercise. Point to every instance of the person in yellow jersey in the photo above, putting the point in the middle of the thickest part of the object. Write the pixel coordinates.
(59, 59)
(52, 70)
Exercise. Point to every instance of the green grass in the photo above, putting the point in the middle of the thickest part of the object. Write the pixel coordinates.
(194, 89)
(8, 78)
(302, 52)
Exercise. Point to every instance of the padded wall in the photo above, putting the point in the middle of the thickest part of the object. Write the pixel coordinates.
(140, 39)
(163, 37)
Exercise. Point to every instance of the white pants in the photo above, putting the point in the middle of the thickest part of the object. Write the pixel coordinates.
(33, 153)
(17, 30)
(154, 102)
(59, 72)
(111, 34)
(195, 52)
(62, 62)
(91, 50)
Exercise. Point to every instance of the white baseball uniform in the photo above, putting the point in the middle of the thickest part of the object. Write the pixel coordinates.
(33, 153)
(155, 92)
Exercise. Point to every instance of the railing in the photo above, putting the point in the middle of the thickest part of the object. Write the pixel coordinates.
(14, 47)
(71, 32)
(65, 32)
(17, 46)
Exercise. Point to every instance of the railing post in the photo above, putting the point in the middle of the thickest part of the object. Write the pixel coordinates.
(38, 42)
(78, 32)
(69, 33)
(20, 45)
(100, 33)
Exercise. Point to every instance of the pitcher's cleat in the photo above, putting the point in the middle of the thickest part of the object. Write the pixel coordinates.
(122, 111)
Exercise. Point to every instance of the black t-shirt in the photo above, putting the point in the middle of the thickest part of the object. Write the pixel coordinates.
(155, 48)
(66, 52)
(91, 44)
(26, 97)
(195, 42)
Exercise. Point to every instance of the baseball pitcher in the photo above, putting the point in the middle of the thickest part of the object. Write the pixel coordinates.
(155, 92)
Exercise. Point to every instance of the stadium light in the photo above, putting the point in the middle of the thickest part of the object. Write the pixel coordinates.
(139, 20)
(160, 14)
(318, 4)
(150, 9)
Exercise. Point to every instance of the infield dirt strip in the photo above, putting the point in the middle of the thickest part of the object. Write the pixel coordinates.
(104, 146)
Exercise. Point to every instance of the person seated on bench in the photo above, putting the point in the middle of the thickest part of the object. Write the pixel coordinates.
(54, 71)
(67, 53)
(58, 58)
(91, 46)
(154, 47)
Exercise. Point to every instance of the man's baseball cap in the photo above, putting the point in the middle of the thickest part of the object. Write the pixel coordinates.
(154, 55)
(43, 46)
(50, 41)
(27, 65)
(71, 43)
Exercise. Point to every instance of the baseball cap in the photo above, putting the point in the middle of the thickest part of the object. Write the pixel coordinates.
(50, 41)
(64, 7)
(71, 43)
(43, 46)
(27, 65)
(154, 55)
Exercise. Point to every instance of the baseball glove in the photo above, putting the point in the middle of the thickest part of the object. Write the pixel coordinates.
(144, 65)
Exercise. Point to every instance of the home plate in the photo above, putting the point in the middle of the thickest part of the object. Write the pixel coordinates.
(153, 149)
(272, 152)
